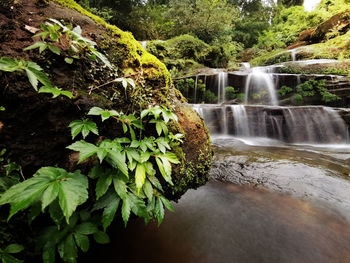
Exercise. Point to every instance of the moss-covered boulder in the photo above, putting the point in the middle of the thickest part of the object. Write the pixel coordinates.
(34, 127)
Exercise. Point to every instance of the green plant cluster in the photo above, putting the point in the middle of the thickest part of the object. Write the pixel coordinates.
(200, 95)
(79, 47)
(232, 94)
(343, 71)
(284, 90)
(123, 174)
(311, 88)
(185, 53)
(126, 173)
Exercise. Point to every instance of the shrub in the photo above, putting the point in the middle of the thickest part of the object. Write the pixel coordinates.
(230, 93)
(284, 90)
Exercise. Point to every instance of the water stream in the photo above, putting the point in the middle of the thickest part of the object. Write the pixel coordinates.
(260, 83)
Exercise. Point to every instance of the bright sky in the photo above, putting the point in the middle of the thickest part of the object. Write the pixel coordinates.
(310, 5)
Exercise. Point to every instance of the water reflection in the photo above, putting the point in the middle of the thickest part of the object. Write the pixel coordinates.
(225, 223)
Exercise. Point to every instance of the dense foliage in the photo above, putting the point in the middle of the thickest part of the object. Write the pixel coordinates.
(125, 173)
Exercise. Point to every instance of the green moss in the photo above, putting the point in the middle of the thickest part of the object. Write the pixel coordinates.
(192, 175)
(270, 58)
(123, 49)
(295, 69)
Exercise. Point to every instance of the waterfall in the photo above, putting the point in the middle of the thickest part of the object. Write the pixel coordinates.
(293, 54)
(260, 87)
(143, 44)
(305, 124)
(222, 84)
(245, 65)
(240, 120)
(195, 89)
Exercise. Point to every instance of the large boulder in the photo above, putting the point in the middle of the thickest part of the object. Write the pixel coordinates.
(339, 23)
(34, 127)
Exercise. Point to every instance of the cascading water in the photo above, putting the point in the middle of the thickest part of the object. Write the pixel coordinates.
(222, 84)
(261, 116)
(260, 87)
(195, 89)
(307, 124)
(293, 54)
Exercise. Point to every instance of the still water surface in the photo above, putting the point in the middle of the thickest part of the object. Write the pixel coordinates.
(251, 222)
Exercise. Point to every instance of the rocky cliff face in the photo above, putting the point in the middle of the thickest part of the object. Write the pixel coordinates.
(34, 127)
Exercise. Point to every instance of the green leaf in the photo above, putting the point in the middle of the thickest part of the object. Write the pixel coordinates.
(140, 176)
(41, 45)
(55, 91)
(109, 212)
(84, 148)
(105, 200)
(86, 228)
(49, 254)
(102, 58)
(149, 168)
(159, 128)
(144, 113)
(68, 249)
(56, 213)
(167, 203)
(76, 128)
(82, 242)
(155, 182)
(126, 208)
(2, 108)
(69, 60)
(117, 160)
(172, 157)
(13, 249)
(144, 156)
(138, 206)
(159, 211)
(105, 114)
(165, 168)
(125, 128)
(162, 144)
(72, 192)
(8, 64)
(120, 186)
(32, 73)
(148, 190)
(54, 49)
(6, 258)
(49, 195)
(32, 79)
(22, 195)
(101, 237)
(103, 184)
(122, 140)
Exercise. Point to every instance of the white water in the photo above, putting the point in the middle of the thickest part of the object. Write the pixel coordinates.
(310, 5)
(307, 124)
(260, 83)
(143, 44)
(293, 54)
(222, 84)
(195, 89)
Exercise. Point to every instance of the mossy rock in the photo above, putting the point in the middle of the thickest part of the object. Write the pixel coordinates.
(36, 132)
